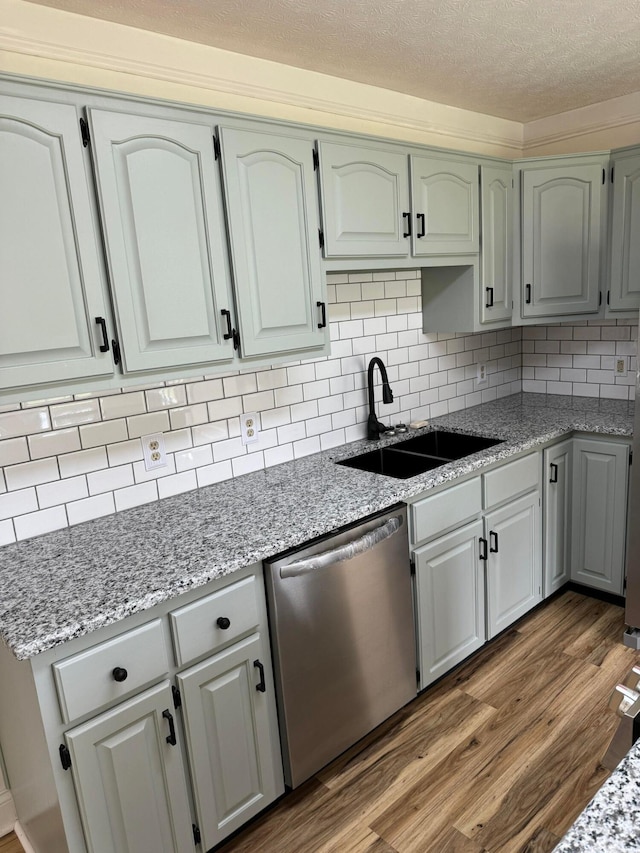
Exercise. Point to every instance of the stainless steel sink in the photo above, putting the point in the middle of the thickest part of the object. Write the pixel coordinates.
(421, 453)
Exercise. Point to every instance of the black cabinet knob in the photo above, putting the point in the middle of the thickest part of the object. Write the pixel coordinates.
(120, 674)
(223, 623)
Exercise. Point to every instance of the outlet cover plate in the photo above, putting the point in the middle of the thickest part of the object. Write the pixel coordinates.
(249, 429)
(153, 451)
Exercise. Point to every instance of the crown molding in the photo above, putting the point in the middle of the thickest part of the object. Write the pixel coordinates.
(67, 40)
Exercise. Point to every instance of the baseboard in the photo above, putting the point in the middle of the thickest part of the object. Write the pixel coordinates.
(600, 594)
(7, 813)
(22, 838)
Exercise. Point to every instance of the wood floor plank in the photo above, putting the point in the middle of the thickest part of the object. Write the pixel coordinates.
(10, 844)
(452, 773)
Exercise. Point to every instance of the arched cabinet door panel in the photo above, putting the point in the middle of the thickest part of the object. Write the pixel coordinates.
(272, 211)
(160, 201)
(365, 201)
(562, 209)
(52, 286)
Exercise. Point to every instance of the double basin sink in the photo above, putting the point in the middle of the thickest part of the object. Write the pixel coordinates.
(422, 453)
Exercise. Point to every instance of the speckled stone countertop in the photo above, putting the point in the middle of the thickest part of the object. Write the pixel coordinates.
(611, 821)
(67, 583)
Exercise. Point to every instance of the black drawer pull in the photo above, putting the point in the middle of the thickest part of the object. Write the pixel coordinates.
(483, 548)
(493, 539)
(171, 737)
(553, 478)
(120, 674)
(104, 346)
(527, 291)
(261, 687)
(423, 225)
(323, 309)
(489, 302)
(407, 216)
(223, 623)
(229, 333)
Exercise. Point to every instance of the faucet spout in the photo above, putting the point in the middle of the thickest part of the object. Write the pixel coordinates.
(374, 427)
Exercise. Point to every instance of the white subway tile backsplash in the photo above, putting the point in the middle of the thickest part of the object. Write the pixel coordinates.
(125, 452)
(140, 425)
(123, 405)
(110, 479)
(17, 503)
(204, 392)
(143, 493)
(37, 523)
(7, 532)
(195, 457)
(76, 413)
(13, 451)
(31, 473)
(186, 481)
(24, 422)
(83, 462)
(53, 443)
(95, 507)
(62, 491)
(247, 464)
(215, 473)
(106, 432)
(165, 398)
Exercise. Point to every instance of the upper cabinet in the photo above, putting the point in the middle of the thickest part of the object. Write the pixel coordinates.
(624, 281)
(496, 260)
(365, 201)
(164, 237)
(444, 194)
(52, 289)
(563, 227)
(368, 211)
(272, 209)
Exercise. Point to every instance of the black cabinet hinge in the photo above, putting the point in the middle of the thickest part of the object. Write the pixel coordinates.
(216, 147)
(65, 757)
(316, 160)
(418, 676)
(612, 171)
(177, 698)
(197, 838)
(236, 339)
(115, 347)
(604, 176)
(631, 457)
(412, 564)
(84, 131)
(321, 237)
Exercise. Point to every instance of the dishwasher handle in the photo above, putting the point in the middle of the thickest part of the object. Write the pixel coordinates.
(344, 552)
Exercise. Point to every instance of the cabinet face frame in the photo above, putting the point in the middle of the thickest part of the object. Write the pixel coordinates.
(557, 504)
(624, 271)
(496, 252)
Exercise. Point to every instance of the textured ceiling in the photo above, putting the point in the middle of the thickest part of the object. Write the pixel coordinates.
(518, 59)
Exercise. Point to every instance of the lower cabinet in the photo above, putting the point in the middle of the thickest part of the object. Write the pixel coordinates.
(129, 775)
(514, 564)
(228, 731)
(599, 514)
(154, 735)
(450, 601)
(485, 571)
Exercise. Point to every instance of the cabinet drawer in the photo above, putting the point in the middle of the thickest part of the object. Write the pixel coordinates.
(87, 681)
(450, 508)
(510, 480)
(199, 628)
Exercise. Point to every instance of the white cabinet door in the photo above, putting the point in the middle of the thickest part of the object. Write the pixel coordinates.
(51, 283)
(129, 778)
(231, 737)
(450, 601)
(497, 242)
(164, 235)
(272, 208)
(562, 214)
(600, 476)
(557, 472)
(444, 196)
(365, 201)
(514, 564)
(624, 292)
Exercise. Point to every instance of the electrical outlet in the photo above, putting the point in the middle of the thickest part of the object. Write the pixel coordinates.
(481, 375)
(155, 456)
(621, 365)
(249, 429)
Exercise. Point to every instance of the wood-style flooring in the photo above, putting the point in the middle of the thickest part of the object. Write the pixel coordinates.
(498, 757)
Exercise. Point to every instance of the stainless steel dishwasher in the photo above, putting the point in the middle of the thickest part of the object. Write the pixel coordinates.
(343, 636)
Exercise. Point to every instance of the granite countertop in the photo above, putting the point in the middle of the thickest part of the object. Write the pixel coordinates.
(67, 583)
(611, 821)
